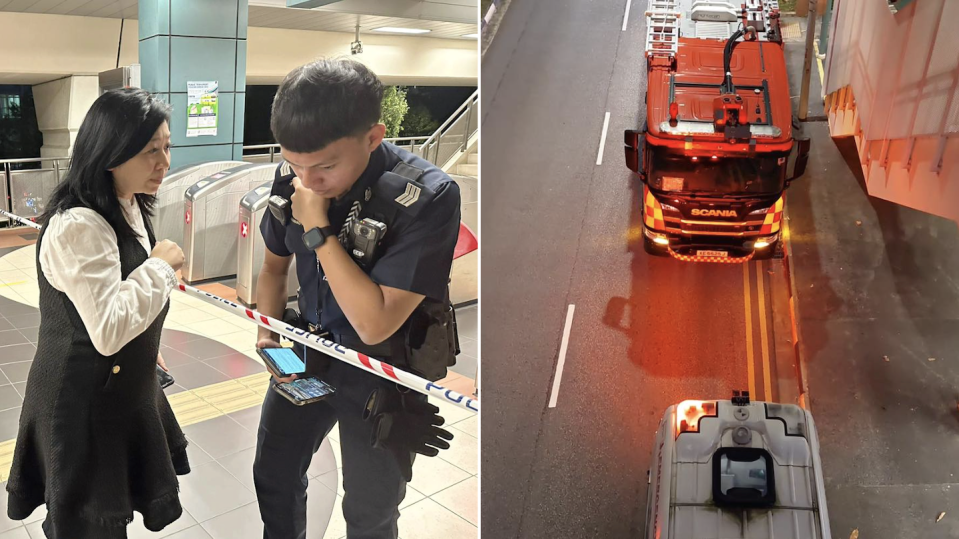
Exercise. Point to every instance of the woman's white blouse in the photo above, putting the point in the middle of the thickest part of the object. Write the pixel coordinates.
(79, 257)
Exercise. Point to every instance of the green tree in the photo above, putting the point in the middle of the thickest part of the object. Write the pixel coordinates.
(419, 122)
(395, 108)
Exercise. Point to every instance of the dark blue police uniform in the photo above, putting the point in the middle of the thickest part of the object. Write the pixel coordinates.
(416, 255)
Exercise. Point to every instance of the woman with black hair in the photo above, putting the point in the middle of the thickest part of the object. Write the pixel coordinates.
(98, 439)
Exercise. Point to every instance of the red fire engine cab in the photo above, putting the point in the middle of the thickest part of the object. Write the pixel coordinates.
(720, 144)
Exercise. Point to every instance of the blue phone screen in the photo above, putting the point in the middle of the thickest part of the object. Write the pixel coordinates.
(286, 359)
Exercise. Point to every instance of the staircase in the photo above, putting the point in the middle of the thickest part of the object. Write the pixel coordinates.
(464, 287)
(455, 148)
(469, 167)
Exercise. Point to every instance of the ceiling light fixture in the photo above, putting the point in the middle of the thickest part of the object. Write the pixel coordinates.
(397, 30)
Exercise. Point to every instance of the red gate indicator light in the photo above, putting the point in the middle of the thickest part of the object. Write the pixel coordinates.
(244, 228)
(188, 217)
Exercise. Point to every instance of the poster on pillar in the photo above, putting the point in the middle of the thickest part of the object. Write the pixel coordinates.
(202, 108)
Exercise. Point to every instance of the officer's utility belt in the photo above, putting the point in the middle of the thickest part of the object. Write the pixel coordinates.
(382, 350)
(353, 342)
(426, 344)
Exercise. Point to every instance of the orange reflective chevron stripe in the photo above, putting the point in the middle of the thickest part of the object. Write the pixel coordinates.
(712, 259)
(653, 213)
(773, 219)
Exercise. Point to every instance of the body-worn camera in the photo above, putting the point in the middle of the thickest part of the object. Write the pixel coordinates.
(282, 209)
(367, 234)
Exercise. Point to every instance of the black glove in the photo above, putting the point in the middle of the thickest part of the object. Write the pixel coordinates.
(404, 424)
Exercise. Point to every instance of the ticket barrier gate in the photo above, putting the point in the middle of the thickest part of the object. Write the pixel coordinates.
(168, 223)
(251, 248)
(211, 219)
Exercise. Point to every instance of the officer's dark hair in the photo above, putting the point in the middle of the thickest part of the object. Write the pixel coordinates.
(119, 124)
(325, 101)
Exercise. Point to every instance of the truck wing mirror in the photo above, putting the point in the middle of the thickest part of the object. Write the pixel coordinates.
(634, 141)
(802, 158)
(799, 155)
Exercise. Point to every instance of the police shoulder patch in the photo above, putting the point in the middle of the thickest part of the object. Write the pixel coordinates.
(410, 195)
(406, 195)
(284, 170)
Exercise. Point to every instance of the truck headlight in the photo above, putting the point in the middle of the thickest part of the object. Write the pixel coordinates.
(658, 238)
(762, 243)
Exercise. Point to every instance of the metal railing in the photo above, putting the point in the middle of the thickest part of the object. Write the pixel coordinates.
(26, 191)
(455, 133)
(413, 144)
(452, 136)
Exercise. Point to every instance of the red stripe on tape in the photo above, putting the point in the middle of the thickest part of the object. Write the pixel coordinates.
(388, 369)
(249, 313)
(365, 360)
(264, 320)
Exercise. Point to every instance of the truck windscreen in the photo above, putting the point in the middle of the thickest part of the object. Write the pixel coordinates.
(674, 172)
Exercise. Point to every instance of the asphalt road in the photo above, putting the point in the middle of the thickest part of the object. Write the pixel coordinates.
(560, 230)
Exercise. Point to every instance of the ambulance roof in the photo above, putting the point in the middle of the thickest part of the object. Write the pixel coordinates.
(787, 433)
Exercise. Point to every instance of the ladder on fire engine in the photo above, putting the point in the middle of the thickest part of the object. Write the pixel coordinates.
(662, 29)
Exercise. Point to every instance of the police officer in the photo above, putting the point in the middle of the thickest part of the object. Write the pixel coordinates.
(373, 231)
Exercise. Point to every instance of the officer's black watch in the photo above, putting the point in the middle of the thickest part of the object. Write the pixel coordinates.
(315, 237)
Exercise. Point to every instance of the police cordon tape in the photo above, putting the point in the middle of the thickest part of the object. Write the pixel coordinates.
(19, 219)
(330, 348)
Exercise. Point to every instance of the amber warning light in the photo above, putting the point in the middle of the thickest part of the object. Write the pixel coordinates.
(688, 414)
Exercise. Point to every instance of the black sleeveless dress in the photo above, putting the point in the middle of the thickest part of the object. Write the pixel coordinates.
(97, 439)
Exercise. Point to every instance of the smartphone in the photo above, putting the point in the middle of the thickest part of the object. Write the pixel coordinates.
(282, 361)
(304, 390)
(165, 379)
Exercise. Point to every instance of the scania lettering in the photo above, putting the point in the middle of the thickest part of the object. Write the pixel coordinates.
(714, 213)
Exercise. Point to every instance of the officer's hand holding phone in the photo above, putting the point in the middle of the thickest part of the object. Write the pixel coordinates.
(270, 343)
(311, 209)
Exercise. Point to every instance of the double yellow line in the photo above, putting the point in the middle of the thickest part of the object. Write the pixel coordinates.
(763, 330)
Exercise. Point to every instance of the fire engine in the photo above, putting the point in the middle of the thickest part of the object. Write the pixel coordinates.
(720, 145)
(736, 469)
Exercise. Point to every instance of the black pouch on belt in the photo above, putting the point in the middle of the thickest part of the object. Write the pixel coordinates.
(431, 340)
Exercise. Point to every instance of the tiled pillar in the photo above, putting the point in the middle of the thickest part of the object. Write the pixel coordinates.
(196, 41)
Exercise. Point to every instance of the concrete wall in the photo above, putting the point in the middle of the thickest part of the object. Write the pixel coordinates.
(55, 46)
(273, 53)
(61, 106)
(61, 55)
(38, 48)
(892, 81)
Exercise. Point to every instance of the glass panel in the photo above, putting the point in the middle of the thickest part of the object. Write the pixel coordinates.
(30, 190)
(736, 474)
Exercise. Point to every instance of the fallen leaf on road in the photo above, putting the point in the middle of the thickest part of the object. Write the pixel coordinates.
(858, 223)
(942, 514)
(854, 534)
(932, 359)
(885, 358)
